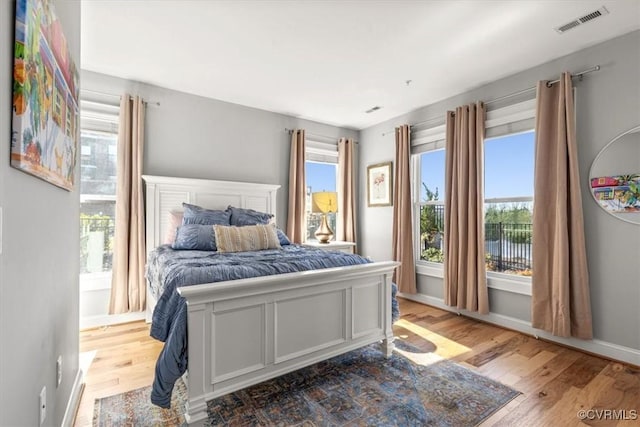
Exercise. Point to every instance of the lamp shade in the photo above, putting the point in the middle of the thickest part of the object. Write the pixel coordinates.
(324, 202)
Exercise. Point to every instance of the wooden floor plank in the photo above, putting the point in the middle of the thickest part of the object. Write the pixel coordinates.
(556, 382)
(535, 382)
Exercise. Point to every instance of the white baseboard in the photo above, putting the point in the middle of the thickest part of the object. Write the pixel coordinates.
(595, 346)
(74, 400)
(110, 319)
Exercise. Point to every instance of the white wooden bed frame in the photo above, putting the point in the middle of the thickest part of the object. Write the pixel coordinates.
(243, 332)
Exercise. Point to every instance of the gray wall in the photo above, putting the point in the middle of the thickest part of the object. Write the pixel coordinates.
(195, 137)
(607, 103)
(38, 265)
(621, 157)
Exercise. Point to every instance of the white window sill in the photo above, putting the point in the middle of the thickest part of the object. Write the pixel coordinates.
(509, 283)
(95, 281)
(432, 269)
(501, 281)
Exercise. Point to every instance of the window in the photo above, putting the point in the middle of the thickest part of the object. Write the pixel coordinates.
(98, 160)
(430, 211)
(68, 126)
(57, 106)
(508, 167)
(97, 200)
(321, 170)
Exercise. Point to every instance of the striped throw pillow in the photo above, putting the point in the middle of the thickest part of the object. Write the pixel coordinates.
(246, 238)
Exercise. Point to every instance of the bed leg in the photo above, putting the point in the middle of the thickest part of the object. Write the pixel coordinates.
(388, 346)
(196, 415)
(199, 423)
(193, 422)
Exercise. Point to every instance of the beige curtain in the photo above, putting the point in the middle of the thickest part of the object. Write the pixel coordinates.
(128, 285)
(560, 283)
(346, 190)
(465, 278)
(296, 218)
(405, 274)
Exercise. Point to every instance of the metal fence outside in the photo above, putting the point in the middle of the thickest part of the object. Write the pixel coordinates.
(507, 246)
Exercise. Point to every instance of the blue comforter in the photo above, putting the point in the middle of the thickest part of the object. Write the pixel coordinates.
(168, 269)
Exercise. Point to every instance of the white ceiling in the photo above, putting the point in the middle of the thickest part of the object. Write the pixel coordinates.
(330, 61)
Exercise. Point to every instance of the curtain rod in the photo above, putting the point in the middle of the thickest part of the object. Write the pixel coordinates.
(111, 95)
(549, 84)
(316, 134)
(510, 95)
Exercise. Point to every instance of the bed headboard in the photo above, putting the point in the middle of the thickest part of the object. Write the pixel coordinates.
(164, 194)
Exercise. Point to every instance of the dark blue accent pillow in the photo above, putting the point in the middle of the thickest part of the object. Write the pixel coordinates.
(197, 237)
(194, 214)
(284, 240)
(240, 216)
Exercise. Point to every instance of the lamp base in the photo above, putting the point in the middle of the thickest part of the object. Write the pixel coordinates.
(324, 233)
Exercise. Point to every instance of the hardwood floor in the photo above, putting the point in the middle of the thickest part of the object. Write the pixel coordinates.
(556, 382)
(125, 357)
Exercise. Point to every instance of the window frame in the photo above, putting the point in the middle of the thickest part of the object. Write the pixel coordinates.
(97, 279)
(97, 116)
(429, 267)
(326, 153)
(511, 119)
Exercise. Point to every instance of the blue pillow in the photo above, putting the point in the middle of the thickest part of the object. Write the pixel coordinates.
(198, 215)
(195, 237)
(284, 240)
(240, 216)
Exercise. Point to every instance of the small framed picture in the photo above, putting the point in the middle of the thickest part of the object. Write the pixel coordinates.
(380, 184)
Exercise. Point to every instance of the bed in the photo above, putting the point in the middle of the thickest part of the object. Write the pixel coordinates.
(245, 331)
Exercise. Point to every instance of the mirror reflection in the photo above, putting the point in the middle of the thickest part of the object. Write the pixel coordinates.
(615, 177)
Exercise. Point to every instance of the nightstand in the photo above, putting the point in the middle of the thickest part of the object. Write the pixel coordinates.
(333, 246)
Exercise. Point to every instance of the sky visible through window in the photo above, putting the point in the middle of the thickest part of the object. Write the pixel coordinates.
(508, 168)
(321, 176)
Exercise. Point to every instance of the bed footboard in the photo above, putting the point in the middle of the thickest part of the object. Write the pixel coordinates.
(247, 331)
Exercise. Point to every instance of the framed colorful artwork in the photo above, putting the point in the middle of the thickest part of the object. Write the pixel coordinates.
(44, 136)
(380, 184)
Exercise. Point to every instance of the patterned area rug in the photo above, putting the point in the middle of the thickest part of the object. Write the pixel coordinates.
(358, 388)
(134, 409)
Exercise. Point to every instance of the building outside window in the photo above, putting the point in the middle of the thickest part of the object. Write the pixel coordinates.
(97, 200)
(98, 164)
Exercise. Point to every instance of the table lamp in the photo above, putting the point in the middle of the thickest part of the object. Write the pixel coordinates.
(324, 202)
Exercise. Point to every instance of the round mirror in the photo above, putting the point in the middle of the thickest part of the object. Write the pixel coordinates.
(615, 176)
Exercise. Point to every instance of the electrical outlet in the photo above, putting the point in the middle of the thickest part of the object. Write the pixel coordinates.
(43, 404)
(59, 371)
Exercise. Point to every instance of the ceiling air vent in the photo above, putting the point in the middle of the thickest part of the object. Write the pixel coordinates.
(567, 26)
(582, 20)
(372, 109)
(593, 15)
